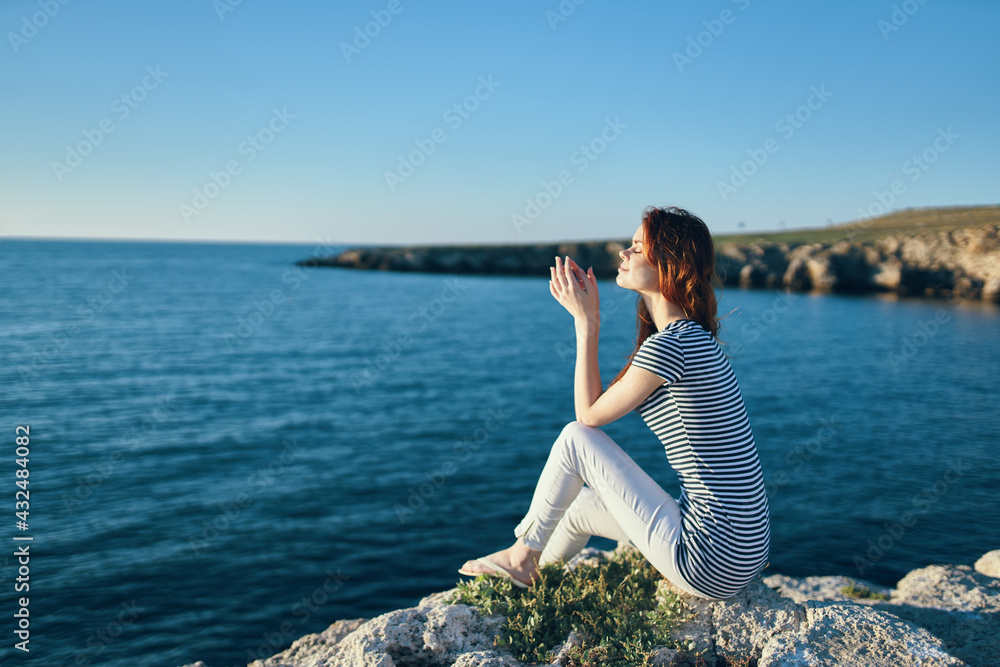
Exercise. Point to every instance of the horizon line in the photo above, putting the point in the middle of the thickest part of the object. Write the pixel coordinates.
(740, 232)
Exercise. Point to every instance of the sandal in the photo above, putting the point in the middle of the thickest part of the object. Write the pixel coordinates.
(498, 570)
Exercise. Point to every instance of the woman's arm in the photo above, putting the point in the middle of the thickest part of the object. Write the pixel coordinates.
(594, 406)
(587, 377)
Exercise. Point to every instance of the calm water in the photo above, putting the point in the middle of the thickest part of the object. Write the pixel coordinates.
(228, 452)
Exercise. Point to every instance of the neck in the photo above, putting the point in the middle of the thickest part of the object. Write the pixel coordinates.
(663, 312)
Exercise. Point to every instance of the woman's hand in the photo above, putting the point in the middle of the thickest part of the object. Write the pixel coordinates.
(576, 290)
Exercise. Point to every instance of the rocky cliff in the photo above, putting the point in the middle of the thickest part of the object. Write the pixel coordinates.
(940, 615)
(962, 263)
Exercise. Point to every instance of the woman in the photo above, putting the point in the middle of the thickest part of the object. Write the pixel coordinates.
(714, 538)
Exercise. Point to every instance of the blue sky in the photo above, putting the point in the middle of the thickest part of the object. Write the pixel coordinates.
(116, 115)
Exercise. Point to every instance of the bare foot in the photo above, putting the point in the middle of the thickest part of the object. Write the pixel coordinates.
(520, 561)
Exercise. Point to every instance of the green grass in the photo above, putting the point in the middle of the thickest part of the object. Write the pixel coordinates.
(862, 592)
(611, 605)
(907, 222)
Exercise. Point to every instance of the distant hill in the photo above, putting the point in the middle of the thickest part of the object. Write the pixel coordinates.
(906, 221)
(935, 252)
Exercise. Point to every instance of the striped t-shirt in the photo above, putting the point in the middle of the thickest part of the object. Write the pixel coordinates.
(699, 416)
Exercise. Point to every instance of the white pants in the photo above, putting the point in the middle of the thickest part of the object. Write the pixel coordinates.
(620, 502)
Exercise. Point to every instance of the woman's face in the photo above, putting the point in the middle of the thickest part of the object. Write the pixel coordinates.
(635, 273)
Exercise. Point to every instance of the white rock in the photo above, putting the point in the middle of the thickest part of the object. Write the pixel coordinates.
(310, 648)
(430, 635)
(822, 588)
(949, 587)
(737, 626)
(989, 564)
(845, 634)
(936, 616)
(437, 599)
(485, 659)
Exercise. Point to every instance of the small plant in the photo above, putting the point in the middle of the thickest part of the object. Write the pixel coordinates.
(612, 607)
(854, 590)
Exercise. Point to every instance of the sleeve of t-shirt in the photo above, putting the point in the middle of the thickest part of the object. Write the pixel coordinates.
(662, 355)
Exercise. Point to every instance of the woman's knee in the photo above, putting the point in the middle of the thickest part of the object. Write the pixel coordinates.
(569, 438)
(576, 430)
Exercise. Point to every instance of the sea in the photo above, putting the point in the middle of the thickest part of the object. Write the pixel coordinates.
(220, 451)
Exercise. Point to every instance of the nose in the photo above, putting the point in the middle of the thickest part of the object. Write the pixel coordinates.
(621, 253)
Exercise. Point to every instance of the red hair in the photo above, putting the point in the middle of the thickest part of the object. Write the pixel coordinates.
(681, 248)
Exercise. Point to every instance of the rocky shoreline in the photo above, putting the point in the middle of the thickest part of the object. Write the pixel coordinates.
(960, 263)
(939, 615)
